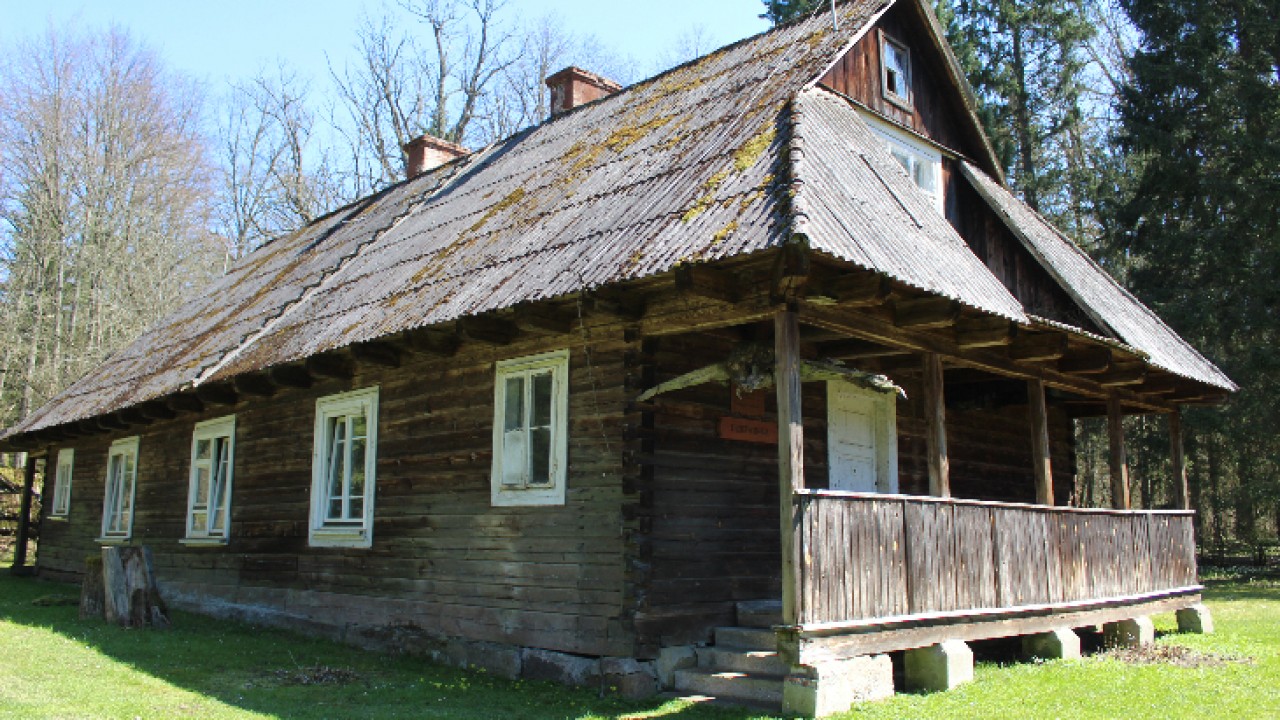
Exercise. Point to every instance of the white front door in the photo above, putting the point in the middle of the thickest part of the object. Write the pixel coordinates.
(862, 443)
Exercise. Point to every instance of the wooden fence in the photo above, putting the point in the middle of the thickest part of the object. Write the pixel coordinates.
(866, 556)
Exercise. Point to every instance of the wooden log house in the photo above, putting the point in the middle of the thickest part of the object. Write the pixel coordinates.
(766, 327)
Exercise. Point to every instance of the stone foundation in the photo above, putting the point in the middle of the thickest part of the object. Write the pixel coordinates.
(834, 686)
(938, 667)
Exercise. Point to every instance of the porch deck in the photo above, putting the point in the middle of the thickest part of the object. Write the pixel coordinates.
(876, 573)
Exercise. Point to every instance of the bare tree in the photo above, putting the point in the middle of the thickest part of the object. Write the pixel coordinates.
(104, 188)
(275, 177)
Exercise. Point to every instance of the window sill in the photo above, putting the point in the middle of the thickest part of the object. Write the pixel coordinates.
(527, 498)
(203, 542)
(58, 518)
(898, 101)
(340, 538)
(113, 540)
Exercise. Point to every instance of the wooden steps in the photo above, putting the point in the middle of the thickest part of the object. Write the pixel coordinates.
(743, 666)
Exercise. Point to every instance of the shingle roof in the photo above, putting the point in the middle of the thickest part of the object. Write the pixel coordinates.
(1096, 292)
(693, 165)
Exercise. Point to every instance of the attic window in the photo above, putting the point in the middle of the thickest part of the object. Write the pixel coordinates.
(922, 162)
(895, 71)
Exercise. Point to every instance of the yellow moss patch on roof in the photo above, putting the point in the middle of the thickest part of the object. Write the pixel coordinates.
(751, 150)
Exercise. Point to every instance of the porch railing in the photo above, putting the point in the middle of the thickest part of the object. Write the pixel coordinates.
(865, 557)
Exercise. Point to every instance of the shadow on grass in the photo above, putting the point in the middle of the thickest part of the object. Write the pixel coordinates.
(258, 670)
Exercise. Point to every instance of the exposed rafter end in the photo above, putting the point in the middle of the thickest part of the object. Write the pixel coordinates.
(543, 321)
(185, 402)
(925, 313)
(707, 282)
(294, 376)
(860, 289)
(431, 342)
(488, 329)
(1038, 347)
(378, 353)
(1090, 362)
(982, 332)
(1122, 377)
(338, 367)
(258, 384)
(218, 394)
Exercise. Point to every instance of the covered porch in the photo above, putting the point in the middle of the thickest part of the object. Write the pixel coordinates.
(869, 573)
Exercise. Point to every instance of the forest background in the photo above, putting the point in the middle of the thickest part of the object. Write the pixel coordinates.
(1148, 130)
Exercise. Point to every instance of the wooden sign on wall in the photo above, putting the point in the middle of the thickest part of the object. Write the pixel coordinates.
(748, 430)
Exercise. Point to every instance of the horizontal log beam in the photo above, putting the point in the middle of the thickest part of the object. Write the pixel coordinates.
(432, 342)
(294, 376)
(870, 328)
(377, 353)
(857, 290)
(218, 394)
(857, 350)
(984, 332)
(333, 366)
(494, 331)
(258, 384)
(925, 313)
(707, 281)
(1090, 362)
(1038, 347)
(544, 321)
(1121, 377)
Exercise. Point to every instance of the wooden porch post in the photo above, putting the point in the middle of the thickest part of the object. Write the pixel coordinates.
(935, 433)
(1178, 462)
(24, 517)
(1041, 455)
(1119, 463)
(786, 347)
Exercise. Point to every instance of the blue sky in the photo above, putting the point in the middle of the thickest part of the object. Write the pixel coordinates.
(217, 40)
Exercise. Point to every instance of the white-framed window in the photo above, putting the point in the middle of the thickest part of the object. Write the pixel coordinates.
(122, 480)
(922, 162)
(62, 483)
(895, 71)
(344, 469)
(530, 430)
(209, 497)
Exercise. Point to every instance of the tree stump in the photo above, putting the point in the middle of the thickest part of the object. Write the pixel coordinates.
(130, 597)
(91, 590)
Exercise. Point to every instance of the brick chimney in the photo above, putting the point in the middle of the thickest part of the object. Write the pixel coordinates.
(574, 86)
(427, 152)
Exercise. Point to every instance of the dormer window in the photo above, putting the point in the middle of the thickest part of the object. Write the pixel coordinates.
(895, 75)
(922, 162)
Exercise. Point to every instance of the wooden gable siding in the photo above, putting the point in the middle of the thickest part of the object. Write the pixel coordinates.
(938, 114)
(935, 110)
(1007, 258)
(443, 562)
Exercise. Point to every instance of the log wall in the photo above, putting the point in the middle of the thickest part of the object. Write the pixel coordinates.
(443, 562)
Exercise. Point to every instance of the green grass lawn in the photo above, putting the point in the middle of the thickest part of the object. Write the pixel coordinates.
(56, 666)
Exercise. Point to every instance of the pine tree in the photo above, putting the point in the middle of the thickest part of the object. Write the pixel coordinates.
(781, 11)
(1025, 60)
(1201, 118)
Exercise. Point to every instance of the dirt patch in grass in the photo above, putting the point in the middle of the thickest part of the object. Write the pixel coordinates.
(1172, 655)
(316, 675)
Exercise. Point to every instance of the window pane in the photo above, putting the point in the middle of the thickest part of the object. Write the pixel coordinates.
(359, 427)
(357, 509)
(337, 457)
(514, 458)
(357, 466)
(540, 456)
(895, 65)
(202, 449)
(202, 484)
(219, 523)
(335, 509)
(514, 400)
(198, 524)
(541, 400)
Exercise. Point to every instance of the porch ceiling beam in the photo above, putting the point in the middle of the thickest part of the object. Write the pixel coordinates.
(218, 394)
(678, 319)
(1089, 362)
(856, 290)
(858, 349)
(708, 282)
(492, 330)
(984, 332)
(294, 376)
(871, 328)
(1038, 347)
(258, 384)
(1133, 375)
(925, 313)
(377, 353)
